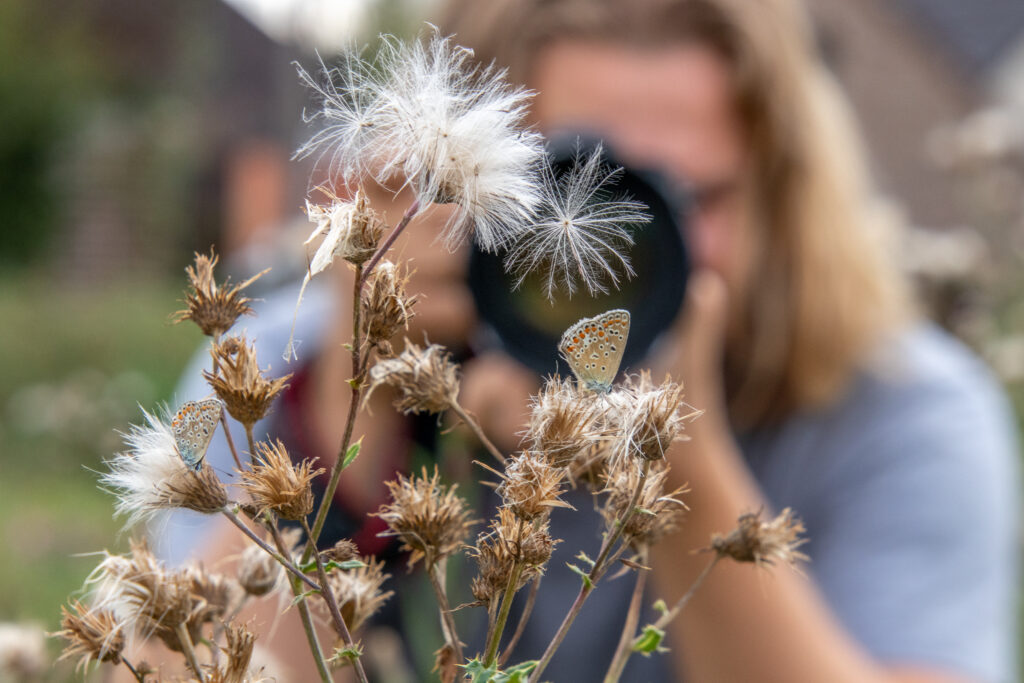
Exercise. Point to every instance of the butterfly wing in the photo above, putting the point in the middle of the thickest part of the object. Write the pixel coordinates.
(193, 427)
(593, 348)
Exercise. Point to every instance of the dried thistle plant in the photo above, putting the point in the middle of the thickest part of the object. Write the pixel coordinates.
(274, 483)
(387, 307)
(530, 486)
(497, 551)
(564, 421)
(238, 381)
(763, 542)
(428, 517)
(91, 635)
(425, 379)
(358, 591)
(658, 513)
(151, 476)
(649, 417)
(258, 572)
(239, 645)
(214, 308)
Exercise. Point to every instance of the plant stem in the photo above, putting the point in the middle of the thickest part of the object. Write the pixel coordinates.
(332, 606)
(475, 426)
(190, 651)
(252, 443)
(625, 645)
(437, 575)
(304, 613)
(231, 442)
(595, 574)
(506, 605)
(353, 408)
(284, 561)
(531, 599)
(410, 212)
(668, 616)
(139, 677)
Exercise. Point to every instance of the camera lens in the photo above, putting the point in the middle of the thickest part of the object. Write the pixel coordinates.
(527, 325)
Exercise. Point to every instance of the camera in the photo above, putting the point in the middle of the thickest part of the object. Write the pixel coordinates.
(524, 323)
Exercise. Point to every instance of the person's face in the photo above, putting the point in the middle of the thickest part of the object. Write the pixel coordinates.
(668, 108)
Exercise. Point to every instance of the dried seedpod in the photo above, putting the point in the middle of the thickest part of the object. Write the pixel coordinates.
(278, 485)
(657, 513)
(238, 381)
(564, 421)
(91, 635)
(387, 307)
(763, 542)
(358, 591)
(214, 308)
(425, 379)
(531, 486)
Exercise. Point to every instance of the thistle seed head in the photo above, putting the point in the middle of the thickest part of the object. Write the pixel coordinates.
(657, 513)
(531, 486)
(351, 231)
(496, 552)
(258, 572)
(91, 635)
(214, 308)
(563, 423)
(763, 542)
(274, 483)
(428, 517)
(239, 645)
(426, 380)
(387, 307)
(358, 591)
(238, 381)
(342, 551)
(652, 417)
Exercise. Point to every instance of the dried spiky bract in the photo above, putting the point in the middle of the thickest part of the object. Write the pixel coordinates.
(276, 484)
(531, 486)
(657, 513)
(239, 645)
(258, 572)
(151, 476)
(215, 595)
(238, 381)
(214, 308)
(763, 542)
(358, 591)
(426, 380)
(497, 550)
(428, 517)
(652, 416)
(351, 231)
(387, 307)
(92, 635)
(563, 422)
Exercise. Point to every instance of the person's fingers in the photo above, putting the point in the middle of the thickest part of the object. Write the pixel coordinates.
(704, 319)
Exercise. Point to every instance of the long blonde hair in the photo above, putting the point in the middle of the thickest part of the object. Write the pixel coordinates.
(823, 292)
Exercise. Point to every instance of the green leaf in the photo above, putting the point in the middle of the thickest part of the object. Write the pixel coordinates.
(583, 556)
(518, 673)
(491, 674)
(347, 564)
(645, 511)
(479, 672)
(650, 641)
(354, 383)
(351, 453)
(586, 578)
(302, 596)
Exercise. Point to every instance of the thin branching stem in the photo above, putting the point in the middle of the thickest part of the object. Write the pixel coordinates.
(252, 443)
(531, 599)
(231, 442)
(475, 426)
(436, 572)
(284, 561)
(668, 616)
(135, 672)
(372, 263)
(494, 637)
(332, 607)
(625, 646)
(604, 558)
(181, 630)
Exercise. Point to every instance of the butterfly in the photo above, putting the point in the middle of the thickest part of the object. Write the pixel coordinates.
(193, 427)
(593, 348)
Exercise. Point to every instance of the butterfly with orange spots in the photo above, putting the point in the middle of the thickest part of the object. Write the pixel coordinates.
(593, 348)
(193, 427)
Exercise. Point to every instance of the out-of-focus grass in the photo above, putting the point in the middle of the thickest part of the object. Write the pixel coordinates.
(74, 366)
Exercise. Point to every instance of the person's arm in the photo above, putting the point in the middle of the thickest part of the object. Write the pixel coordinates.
(743, 624)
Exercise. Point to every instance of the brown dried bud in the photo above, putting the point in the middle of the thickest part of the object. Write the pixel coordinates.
(258, 571)
(358, 591)
(342, 551)
(92, 635)
(763, 543)
(428, 517)
(386, 306)
(652, 416)
(531, 486)
(426, 380)
(216, 594)
(240, 642)
(238, 381)
(497, 550)
(351, 230)
(213, 308)
(201, 491)
(274, 483)
(537, 544)
(563, 421)
(657, 513)
(445, 664)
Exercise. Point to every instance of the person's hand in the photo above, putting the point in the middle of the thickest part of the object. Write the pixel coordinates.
(496, 389)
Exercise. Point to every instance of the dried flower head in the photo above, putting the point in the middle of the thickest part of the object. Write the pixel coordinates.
(258, 572)
(358, 591)
(214, 308)
(215, 594)
(763, 542)
(276, 484)
(151, 476)
(446, 664)
(652, 417)
(578, 236)
(564, 421)
(426, 380)
(429, 518)
(342, 551)
(657, 513)
(531, 486)
(386, 306)
(239, 645)
(455, 131)
(92, 635)
(497, 550)
(23, 654)
(238, 381)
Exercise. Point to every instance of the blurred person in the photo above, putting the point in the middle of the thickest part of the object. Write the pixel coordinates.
(821, 390)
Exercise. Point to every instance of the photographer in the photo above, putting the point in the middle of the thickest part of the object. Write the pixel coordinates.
(822, 390)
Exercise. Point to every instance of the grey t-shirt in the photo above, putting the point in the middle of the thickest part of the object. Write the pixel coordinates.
(908, 488)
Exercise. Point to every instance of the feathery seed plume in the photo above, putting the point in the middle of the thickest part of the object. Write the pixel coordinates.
(653, 418)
